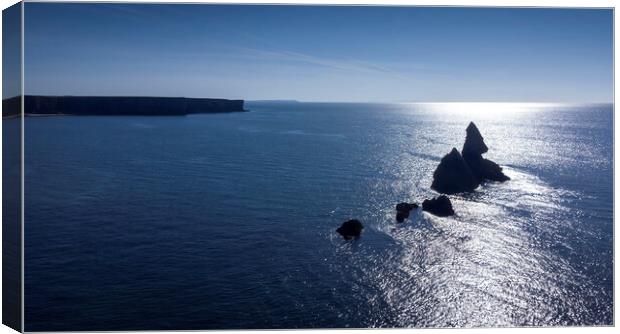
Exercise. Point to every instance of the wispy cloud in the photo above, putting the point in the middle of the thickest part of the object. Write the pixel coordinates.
(354, 65)
(127, 11)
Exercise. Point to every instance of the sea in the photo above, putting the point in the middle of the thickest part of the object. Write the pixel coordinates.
(227, 221)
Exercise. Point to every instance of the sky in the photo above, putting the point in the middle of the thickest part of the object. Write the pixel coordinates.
(11, 53)
(320, 53)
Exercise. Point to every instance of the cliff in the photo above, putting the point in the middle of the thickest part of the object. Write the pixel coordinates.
(118, 105)
(11, 107)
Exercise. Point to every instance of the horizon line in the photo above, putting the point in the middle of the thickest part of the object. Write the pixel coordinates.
(430, 102)
(324, 101)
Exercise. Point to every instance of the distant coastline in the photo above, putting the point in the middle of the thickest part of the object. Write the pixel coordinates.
(38, 105)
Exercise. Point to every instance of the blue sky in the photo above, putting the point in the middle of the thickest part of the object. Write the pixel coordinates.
(11, 55)
(313, 53)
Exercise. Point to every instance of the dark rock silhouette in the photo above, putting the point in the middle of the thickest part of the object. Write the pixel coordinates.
(453, 175)
(485, 169)
(474, 142)
(458, 173)
(406, 206)
(473, 149)
(350, 229)
(439, 206)
(403, 210)
(12, 107)
(118, 105)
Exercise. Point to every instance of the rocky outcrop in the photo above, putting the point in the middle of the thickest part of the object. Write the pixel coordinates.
(124, 105)
(473, 149)
(485, 169)
(350, 229)
(403, 210)
(453, 175)
(439, 206)
(474, 142)
(458, 173)
(12, 107)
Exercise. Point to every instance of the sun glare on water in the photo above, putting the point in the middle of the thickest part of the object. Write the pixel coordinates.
(487, 110)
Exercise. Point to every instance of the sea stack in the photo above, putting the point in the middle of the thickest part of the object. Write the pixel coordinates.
(473, 149)
(458, 173)
(474, 142)
(453, 175)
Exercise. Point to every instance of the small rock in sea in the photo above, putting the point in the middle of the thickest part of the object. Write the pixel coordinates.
(439, 206)
(406, 206)
(453, 175)
(403, 210)
(350, 229)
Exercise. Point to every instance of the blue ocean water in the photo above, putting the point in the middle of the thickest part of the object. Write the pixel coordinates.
(228, 220)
